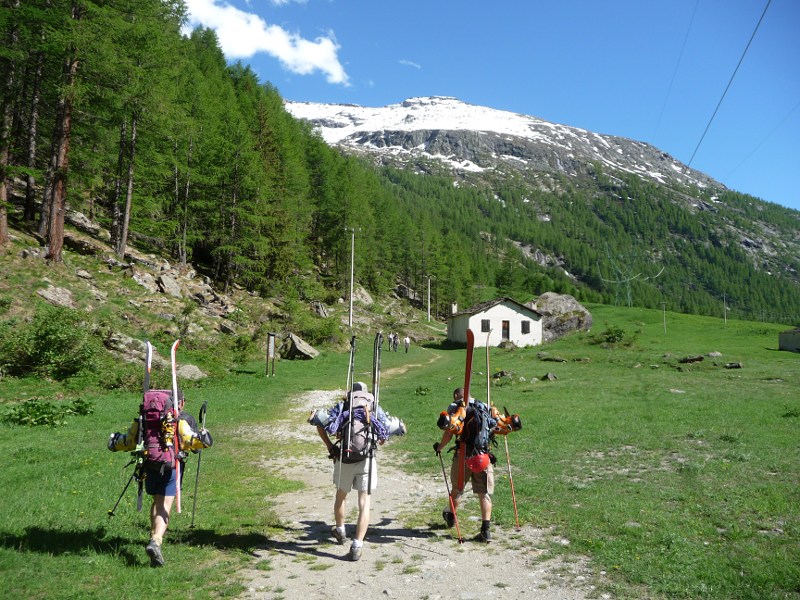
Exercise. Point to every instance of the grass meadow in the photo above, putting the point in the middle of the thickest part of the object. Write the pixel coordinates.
(677, 480)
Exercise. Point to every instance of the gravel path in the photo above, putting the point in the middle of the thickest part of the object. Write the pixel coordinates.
(399, 561)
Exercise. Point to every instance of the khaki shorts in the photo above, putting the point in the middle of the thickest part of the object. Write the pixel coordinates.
(355, 476)
(482, 483)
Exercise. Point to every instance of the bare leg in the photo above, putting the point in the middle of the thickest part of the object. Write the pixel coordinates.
(363, 515)
(486, 506)
(339, 507)
(159, 516)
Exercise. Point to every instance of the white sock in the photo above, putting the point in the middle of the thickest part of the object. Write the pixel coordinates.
(357, 543)
(340, 529)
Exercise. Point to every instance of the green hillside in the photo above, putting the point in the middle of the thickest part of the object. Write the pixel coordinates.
(111, 112)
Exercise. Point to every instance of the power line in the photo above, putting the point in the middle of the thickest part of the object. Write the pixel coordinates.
(729, 83)
(761, 143)
(677, 65)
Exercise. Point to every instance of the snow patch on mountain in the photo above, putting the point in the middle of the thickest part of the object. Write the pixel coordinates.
(470, 138)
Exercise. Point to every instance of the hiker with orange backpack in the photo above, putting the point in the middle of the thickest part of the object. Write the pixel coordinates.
(474, 426)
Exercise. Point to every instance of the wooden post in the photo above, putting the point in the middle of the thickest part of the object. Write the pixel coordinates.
(270, 354)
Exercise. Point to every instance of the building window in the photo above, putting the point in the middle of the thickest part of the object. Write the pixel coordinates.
(485, 326)
(526, 327)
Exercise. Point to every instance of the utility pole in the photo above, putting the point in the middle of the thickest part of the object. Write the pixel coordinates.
(664, 312)
(352, 271)
(724, 310)
(429, 298)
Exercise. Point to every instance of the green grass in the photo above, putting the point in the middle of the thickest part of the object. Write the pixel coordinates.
(678, 481)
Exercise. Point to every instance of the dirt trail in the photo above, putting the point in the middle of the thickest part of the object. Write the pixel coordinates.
(399, 561)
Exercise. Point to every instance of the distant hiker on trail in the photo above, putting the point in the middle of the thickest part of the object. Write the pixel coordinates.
(157, 445)
(407, 343)
(354, 454)
(474, 424)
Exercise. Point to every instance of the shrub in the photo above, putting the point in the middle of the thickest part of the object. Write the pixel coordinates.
(51, 344)
(39, 412)
(613, 336)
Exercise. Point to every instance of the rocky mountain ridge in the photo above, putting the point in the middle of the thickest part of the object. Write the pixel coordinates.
(473, 139)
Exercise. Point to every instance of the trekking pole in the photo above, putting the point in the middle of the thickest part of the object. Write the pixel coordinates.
(199, 456)
(125, 489)
(505, 437)
(511, 481)
(449, 497)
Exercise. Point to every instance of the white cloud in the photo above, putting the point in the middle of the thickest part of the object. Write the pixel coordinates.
(408, 63)
(242, 34)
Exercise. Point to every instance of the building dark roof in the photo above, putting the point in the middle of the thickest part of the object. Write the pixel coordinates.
(489, 304)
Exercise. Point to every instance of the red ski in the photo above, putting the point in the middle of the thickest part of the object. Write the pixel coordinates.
(462, 454)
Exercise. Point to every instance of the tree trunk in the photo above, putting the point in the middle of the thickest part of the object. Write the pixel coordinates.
(5, 136)
(122, 242)
(59, 163)
(116, 194)
(182, 250)
(33, 125)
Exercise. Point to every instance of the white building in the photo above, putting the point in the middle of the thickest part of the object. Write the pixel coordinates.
(496, 321)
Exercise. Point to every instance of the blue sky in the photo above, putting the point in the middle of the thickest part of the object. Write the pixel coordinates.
(642, 69)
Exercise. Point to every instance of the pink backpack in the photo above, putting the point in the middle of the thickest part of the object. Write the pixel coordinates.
(160, 420)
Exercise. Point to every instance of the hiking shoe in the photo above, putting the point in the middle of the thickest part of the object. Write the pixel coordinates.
(449, 518)
(484, 536)
(355, 553)
(154, 552)
(338, 535)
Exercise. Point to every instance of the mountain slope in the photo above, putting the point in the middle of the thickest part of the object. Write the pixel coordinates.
(620, 217)
(472, 138)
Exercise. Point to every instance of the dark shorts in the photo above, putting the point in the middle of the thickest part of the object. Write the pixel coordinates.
(157, 483)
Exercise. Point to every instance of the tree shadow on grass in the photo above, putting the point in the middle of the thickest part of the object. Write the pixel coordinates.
(57, 542)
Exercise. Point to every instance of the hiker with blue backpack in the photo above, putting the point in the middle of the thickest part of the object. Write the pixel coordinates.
(351, 430)
(162, 443)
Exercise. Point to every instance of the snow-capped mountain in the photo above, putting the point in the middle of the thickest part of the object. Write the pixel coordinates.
(469, 138)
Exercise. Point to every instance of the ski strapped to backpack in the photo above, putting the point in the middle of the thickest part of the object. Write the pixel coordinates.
(376, 392)
(461, 453)
(176, 415)
(350, 375)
